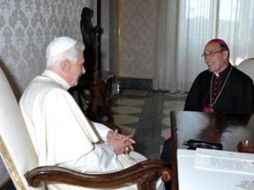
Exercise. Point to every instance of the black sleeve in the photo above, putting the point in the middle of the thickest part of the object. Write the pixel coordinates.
(192, 102)
(246, 98)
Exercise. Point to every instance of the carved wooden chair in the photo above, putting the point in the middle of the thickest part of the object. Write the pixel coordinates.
(21, 160)
(95, 95)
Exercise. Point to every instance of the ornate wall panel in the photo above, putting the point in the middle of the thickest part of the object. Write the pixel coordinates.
(137, 38)
(27, 26)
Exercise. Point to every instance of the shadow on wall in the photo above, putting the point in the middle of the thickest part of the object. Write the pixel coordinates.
(13, 84)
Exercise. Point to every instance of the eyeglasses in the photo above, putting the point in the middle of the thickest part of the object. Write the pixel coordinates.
(211, 53)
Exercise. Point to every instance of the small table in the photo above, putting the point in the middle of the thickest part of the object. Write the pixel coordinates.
(227, 129)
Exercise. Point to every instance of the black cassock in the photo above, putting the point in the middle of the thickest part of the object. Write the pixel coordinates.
(237, 95)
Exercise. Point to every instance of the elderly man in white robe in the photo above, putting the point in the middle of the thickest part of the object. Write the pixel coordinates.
(60, 132)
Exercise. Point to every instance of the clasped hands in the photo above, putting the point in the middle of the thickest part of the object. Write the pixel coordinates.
(122, 144)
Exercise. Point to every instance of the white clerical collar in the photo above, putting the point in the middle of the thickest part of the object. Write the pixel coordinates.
(58, 79)
(217, 74)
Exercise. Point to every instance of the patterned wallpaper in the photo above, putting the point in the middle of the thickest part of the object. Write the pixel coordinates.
(27, 26)
(137, 38)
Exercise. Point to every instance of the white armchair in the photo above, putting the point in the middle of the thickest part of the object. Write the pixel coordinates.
(15, 146)
(247, 66)
(21, 161)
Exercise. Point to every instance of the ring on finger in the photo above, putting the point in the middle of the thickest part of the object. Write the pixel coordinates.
(127, 150)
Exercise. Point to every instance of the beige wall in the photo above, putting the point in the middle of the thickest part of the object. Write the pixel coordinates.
(137, 38)
(27, 26)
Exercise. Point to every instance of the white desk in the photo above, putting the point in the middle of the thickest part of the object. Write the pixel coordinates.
(191, 178)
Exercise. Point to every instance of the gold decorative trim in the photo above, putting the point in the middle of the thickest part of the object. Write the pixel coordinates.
(11, 167)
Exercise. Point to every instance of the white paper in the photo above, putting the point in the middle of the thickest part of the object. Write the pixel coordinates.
(224, 161)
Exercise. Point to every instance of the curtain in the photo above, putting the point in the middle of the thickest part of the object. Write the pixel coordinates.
(165, 51)
(236, 26)
(198, 21)
(196, 26)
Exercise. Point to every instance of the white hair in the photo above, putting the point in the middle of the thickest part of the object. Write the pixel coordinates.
(62, 48)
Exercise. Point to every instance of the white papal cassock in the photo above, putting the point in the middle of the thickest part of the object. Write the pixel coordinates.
(63, 136)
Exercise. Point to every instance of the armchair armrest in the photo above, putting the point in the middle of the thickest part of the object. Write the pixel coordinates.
(143, 173)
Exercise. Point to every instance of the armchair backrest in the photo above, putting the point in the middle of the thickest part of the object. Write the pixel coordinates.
(247, 66)
(16, 148)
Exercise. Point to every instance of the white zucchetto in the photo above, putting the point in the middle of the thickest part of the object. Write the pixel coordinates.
(59, 45)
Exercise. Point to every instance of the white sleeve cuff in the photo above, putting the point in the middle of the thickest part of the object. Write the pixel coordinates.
(102, 130)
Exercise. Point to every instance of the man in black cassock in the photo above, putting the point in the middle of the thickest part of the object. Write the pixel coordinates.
(221, 88)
